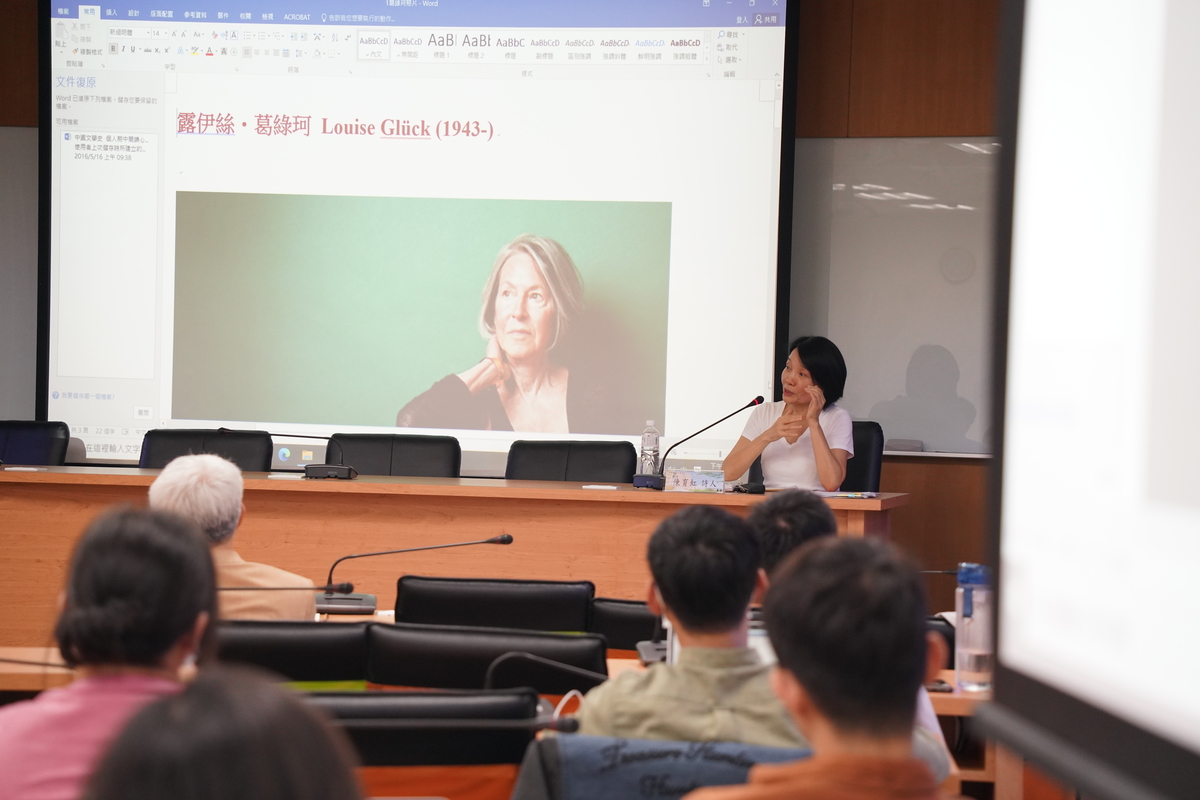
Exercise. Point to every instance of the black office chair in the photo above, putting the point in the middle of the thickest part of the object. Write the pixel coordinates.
(299, 651)
(35, 444)
(250, 450)
(862, 471)
(940, 626)
(392, 454)
(524, 604)
(386, 727)
(623, 623)
(600, 462)
(453, 657)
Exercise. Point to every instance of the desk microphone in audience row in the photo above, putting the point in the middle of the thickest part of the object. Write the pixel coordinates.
(357, 603)
(329, 588)
(657, 480)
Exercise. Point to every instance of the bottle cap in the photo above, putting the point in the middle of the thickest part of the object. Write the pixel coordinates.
(649, 423)
(970, 574)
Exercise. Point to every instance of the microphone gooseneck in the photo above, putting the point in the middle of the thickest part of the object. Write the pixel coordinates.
(329, 588)
(663, 462)
(562, 724)
(501, 539)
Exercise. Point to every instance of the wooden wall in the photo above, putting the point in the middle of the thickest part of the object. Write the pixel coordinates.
(945, 521)
(897, 67)
(18, 65)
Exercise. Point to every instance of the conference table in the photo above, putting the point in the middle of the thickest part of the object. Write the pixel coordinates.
(560, 530)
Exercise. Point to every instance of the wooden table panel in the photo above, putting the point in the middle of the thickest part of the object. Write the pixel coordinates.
(560, 530)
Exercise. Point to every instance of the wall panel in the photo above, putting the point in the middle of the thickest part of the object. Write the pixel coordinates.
(823, 63)
(923, 67)
(18, 64)
(945, 521)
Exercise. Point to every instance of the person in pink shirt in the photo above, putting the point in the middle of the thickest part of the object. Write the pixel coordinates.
(135, 610)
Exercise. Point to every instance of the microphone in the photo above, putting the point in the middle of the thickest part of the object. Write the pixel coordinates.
(329, 588)
(656, 480)
(560, 724)
(27, 663)
(356, 603)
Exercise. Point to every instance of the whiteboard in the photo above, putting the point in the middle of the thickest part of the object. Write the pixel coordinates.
(891, 260)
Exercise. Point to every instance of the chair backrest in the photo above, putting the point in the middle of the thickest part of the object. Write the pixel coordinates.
(603, 462)
(366, 716)
(525, 604)
(37, 444)
(940, 626)
(250, 450)
(454, 657)
(299, 651)
(395, 454)
(579, 767)
(623, 623)
(862, 471)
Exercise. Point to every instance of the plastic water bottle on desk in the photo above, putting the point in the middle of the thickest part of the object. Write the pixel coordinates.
(648, 457)
(973, 610)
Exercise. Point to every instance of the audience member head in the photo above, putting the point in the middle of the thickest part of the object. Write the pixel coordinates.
(705, 564)
(229, 733)
(846, 618)
(206, 490)
(140, 593)
(787, 520)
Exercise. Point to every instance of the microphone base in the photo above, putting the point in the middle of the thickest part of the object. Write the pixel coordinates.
(357, 603)
(651, 652)
(649, 482)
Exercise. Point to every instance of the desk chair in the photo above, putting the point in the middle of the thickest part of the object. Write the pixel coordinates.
(299, 651)
(34, 444)
(623, 623)
(453, 657)
(455, 755)
(862, 471)
(394, 454)
(525, 604)
(584, 462)
(250, 450)
(365, 716)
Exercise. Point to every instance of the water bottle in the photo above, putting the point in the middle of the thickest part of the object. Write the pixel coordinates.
(648, 457)
(974, 611)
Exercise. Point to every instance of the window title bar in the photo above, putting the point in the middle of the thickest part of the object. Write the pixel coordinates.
(449, 13)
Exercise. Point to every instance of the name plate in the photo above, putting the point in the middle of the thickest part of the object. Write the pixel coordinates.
(687, 480)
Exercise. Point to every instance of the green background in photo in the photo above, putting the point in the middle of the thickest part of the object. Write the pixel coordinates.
(339, 310)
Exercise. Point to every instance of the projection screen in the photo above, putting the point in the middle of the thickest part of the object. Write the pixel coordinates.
(291, 216)
(1098, 519)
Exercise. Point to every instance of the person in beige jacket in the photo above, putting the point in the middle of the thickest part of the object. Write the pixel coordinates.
(206, 490)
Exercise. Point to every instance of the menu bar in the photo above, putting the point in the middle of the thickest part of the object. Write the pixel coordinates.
(449, 13)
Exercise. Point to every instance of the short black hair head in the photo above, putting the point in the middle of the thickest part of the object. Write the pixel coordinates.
(229, 733)
(137, 583)
(847, 618)
(705, 563)
(824, 363)
(787, 520)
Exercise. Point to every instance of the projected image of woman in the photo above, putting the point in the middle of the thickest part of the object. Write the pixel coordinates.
(529, 301)
(805, 439)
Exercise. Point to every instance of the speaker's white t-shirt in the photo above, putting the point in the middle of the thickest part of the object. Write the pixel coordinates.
(792, 465)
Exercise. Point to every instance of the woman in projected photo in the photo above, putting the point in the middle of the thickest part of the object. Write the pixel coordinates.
(530, 299)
